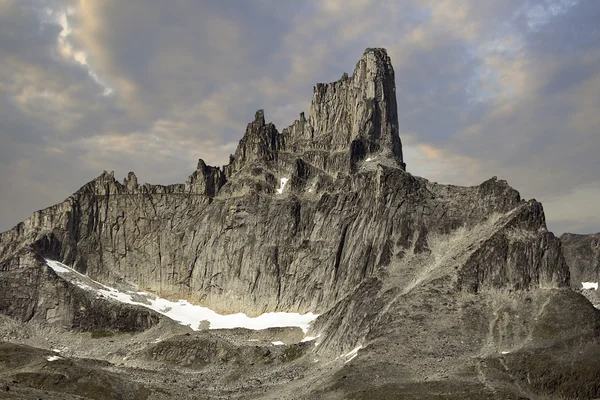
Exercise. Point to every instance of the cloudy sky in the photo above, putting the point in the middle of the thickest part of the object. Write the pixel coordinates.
(485, 87)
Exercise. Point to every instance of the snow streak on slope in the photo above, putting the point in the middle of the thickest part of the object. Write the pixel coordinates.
(282, 186)
(182, 311)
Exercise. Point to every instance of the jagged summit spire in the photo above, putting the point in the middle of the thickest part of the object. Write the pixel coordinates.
(260, 144)
(361, 109)
(377, 60)
(259, 117)
(349, 120)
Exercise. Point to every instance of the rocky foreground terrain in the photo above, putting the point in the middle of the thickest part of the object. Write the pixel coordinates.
(423, 291)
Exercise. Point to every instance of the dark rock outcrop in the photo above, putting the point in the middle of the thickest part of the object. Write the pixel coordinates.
(31, 293)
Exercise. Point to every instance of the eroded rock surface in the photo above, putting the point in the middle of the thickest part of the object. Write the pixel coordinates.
(238, 238)
(582, 253)
(439, 291)
(249, 248)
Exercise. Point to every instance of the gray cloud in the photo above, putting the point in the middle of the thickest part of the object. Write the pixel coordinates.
(484, 88)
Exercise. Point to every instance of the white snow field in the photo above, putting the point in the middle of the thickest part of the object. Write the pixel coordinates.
(182, 311)
(589, 285)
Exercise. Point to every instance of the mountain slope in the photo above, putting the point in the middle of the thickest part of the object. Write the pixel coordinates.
(427, 290)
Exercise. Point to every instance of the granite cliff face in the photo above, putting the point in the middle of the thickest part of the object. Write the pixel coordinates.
(296, 219)
(442, 291)
(582, 253)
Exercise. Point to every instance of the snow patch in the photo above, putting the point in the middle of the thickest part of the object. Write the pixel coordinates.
(505, 352)
(309, 339)
(56, 350)
(53, 358)
(278, 343)
(116, 295)
(353, 351)
(84, 286)
(57, 267)
(352, 354)
(368, 159)
(282, 185)
(184, 312)
(350, 359)
(590, 285)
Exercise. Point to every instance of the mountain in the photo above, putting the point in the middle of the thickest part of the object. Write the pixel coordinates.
(423, 290)
(582, 254)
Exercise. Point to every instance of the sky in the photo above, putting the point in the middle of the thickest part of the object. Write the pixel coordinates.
(506, 88)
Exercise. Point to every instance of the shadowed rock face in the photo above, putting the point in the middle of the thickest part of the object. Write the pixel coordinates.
(29, 292)
(582, 253)
(238, 238)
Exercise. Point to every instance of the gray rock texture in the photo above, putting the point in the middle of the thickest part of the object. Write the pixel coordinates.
(582, 253)
(237, 239)
(492, 256)
(32, 293)
(26, 373)
(442, 291)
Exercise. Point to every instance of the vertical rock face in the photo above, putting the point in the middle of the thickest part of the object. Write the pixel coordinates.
(357, 113)
(582, 253)
(243, 238)
(349, 120)
(205, 180)
(31, 293)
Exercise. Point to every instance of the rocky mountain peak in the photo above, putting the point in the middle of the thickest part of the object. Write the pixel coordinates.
(434, 288)
(360, 112)
(259, 118)
(349, 120)
(131, 181)
(297, 218)
(260, 145)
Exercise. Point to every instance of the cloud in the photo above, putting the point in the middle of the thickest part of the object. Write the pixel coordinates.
(484, 88)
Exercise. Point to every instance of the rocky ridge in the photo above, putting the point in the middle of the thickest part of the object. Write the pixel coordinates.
(228, 239)
(440, 291)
